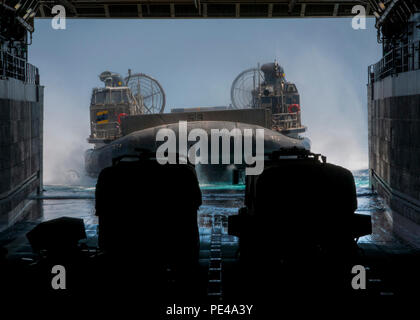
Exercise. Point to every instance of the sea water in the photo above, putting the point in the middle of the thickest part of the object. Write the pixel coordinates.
(219, 200)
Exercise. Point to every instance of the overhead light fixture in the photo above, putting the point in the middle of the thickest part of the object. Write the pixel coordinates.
(381, 5)
(26, 25)
(27, 13)
(33, 10)
(18, 5)
(376, 14)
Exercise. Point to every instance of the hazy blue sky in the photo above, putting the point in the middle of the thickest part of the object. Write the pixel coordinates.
(196, 62)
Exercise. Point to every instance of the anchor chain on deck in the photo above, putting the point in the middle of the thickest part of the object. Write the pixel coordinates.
(214, 289)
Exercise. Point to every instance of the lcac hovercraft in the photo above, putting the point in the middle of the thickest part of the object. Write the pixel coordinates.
(137, 94)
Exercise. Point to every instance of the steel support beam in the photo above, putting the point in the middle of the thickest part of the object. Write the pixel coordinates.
(172, 9)
(106, 9)
(41, 11)
(139, 11)
(131, 9)
(205, 10)
(335, 12)
(291, 5)
(270, 10)
(302, 9)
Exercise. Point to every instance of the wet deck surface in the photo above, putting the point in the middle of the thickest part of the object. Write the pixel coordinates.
(392, 265)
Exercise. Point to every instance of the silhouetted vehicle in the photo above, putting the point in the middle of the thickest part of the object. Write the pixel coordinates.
(297, 232)
(148, 242)
(148, 225)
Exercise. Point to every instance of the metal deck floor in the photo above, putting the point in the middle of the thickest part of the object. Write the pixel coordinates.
(392, 266)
